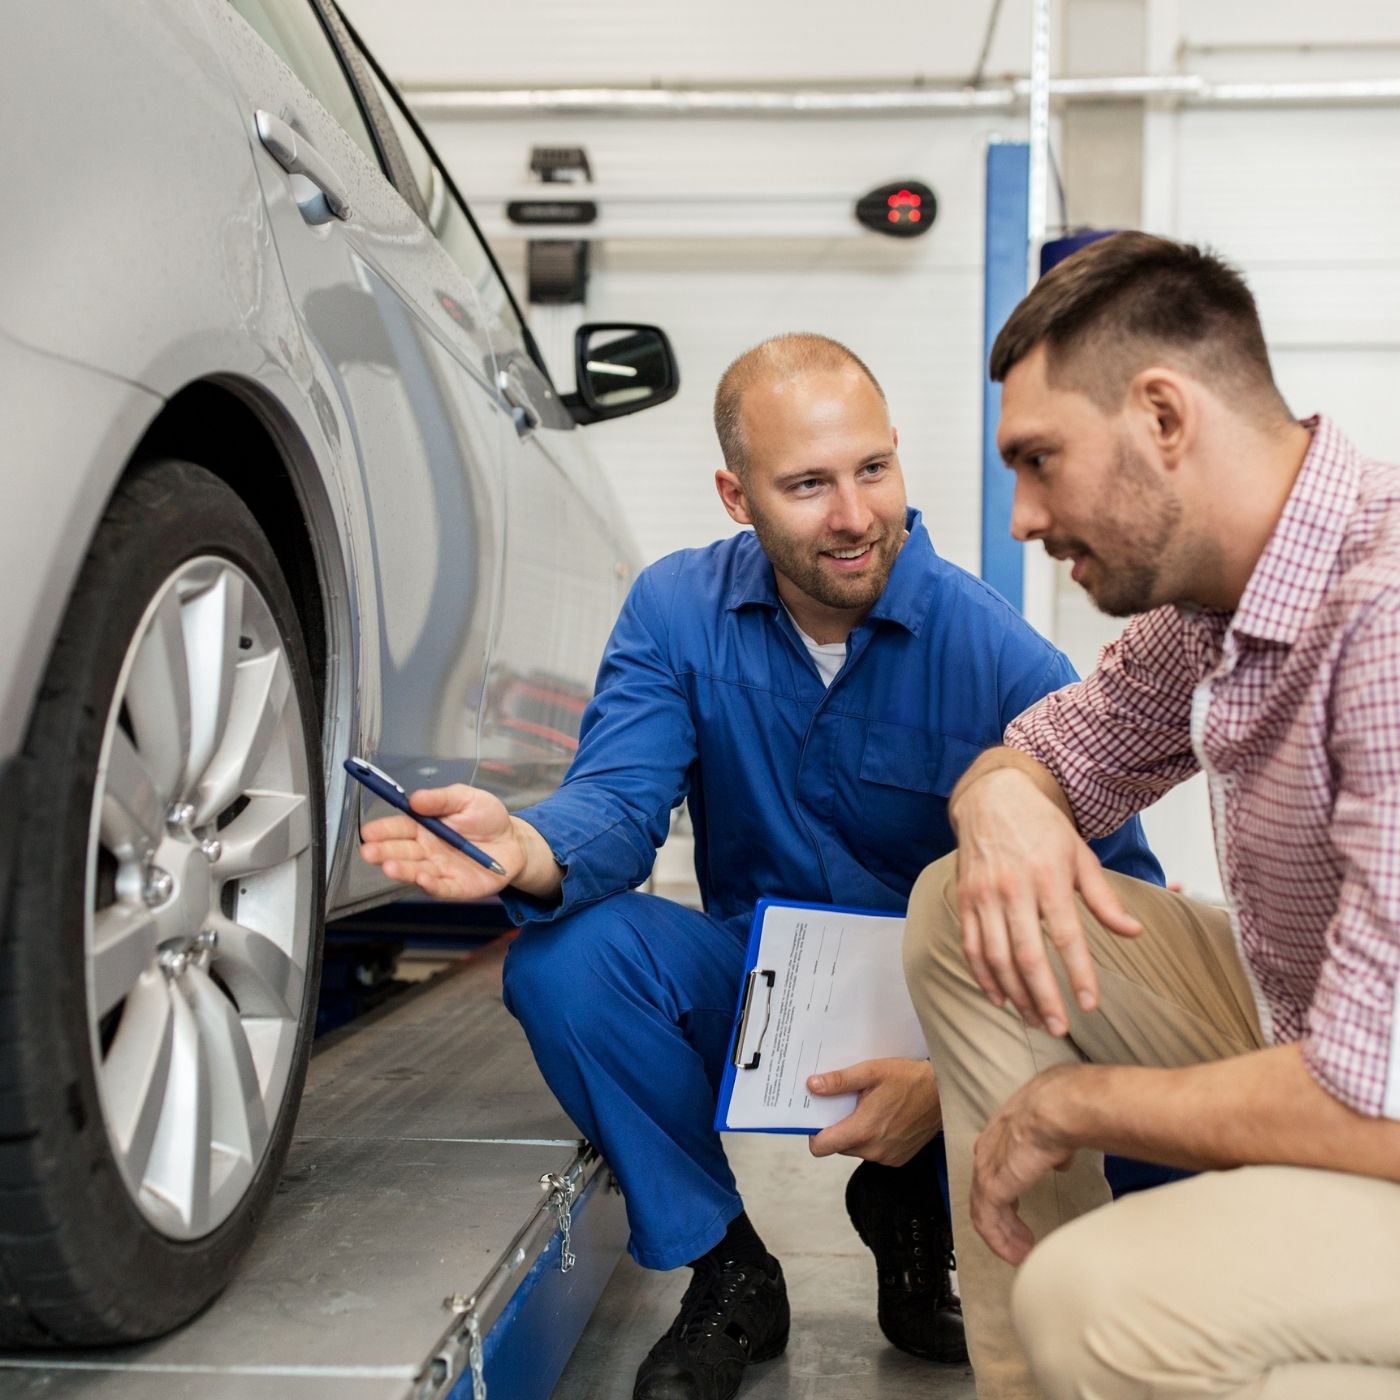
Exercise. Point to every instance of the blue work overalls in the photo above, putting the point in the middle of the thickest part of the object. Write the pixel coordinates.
(836, 794)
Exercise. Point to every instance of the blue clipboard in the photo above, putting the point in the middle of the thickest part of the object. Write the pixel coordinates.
(755, 1010)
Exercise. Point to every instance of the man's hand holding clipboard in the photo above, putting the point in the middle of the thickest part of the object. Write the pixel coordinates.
(826, 1041)
(896, 1113)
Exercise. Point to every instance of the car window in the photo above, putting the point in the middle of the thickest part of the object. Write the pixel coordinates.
(294, 32)
(447, 218)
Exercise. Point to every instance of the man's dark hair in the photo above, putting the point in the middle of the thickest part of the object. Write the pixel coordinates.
(1131, 300)
(780, 357)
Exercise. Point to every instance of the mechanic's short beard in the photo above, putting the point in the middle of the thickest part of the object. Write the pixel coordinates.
(797, 561)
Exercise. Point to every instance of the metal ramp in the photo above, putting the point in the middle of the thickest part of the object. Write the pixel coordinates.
(411, 1242)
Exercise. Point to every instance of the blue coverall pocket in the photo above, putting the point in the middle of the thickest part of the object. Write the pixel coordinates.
(900, 756)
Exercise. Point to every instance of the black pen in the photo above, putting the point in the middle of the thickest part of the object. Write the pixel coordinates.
(382, 785)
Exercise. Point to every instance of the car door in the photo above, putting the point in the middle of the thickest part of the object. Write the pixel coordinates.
(569, 563)
(568, 559)
(394, 326)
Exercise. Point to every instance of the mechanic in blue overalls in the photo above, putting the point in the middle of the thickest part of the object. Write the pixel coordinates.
(813, 688)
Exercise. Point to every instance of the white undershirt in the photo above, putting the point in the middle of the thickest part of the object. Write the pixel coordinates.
(829, 656)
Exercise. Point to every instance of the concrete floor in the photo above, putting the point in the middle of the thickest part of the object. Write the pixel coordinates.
(836, 1351)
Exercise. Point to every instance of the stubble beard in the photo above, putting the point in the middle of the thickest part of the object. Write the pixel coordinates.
(799, 563)
(1143, 517)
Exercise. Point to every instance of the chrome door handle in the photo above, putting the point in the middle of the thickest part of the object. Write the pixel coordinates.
(525, 418)
(297, 156)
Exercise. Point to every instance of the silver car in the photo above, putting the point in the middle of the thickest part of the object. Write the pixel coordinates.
(285, 480)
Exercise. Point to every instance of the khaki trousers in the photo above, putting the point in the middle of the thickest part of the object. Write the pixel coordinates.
(1272, 1282)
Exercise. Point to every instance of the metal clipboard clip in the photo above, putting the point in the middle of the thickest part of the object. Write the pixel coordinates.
(746, 1009)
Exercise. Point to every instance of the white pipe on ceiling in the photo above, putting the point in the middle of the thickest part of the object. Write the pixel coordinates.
(438, 102)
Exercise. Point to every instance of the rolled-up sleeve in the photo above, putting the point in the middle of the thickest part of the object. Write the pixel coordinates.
(1352, 1042)
(636, 749)
(1120, 738)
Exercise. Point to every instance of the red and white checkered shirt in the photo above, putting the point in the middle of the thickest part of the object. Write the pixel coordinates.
(1291, 706)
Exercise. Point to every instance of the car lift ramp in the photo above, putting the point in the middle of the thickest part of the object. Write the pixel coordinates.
(414, 1248)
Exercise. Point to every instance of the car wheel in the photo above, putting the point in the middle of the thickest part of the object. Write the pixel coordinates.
(160, 958)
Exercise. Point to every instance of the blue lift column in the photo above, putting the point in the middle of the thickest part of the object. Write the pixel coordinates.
(1008, 202)
(1006, 256)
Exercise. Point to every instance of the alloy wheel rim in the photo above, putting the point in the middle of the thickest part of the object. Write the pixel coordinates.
(198, 897)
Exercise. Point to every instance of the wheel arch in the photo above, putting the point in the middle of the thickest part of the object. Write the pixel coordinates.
(230, 429)
(236, 430)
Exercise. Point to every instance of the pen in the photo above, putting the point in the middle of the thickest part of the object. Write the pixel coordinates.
(382, 785)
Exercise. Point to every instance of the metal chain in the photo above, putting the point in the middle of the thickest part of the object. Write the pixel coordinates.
(561, 1199)
(477, 1357)
(465, 1307)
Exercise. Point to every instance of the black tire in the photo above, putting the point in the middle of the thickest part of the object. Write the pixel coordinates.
(80, 1263)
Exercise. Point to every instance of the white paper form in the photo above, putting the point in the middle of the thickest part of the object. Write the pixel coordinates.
(826, 990)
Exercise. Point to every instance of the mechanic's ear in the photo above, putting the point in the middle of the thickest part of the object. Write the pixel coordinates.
(731, 492)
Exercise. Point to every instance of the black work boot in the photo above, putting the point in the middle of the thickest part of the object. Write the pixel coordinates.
(909, 1234)
(733, 1314)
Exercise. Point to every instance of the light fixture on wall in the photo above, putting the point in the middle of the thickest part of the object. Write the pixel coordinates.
(904, 209)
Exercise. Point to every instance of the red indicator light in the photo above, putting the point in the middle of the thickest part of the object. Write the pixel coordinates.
(898, 210)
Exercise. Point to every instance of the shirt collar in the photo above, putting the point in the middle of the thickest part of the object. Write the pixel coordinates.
(905, 598)
(1293, 572)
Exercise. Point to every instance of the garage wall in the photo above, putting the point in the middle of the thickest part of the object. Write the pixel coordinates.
(912, 310)
(564, 43)
(1305, 201)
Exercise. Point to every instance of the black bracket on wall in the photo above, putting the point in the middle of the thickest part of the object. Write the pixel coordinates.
(556, 268)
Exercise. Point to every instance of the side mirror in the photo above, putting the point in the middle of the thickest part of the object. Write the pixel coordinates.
(619, 370)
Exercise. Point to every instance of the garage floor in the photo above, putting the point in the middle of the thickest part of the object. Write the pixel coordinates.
(796, 1203)
(414, 1176)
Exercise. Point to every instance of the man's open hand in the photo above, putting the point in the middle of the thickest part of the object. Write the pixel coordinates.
(412, 854)
(897, 1111)
(1020, 864)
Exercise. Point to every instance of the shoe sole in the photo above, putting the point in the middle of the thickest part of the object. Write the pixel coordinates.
(952, 1357)
(774, 1349)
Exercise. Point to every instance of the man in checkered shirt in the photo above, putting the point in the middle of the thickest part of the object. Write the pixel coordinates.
(1259, 558)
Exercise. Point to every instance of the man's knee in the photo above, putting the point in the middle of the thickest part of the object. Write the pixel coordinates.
(1061, 1293)
(570, 962)
(932, 933)
(1097, 1313)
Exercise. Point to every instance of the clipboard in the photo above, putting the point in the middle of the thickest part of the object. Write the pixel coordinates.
(823, 988)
